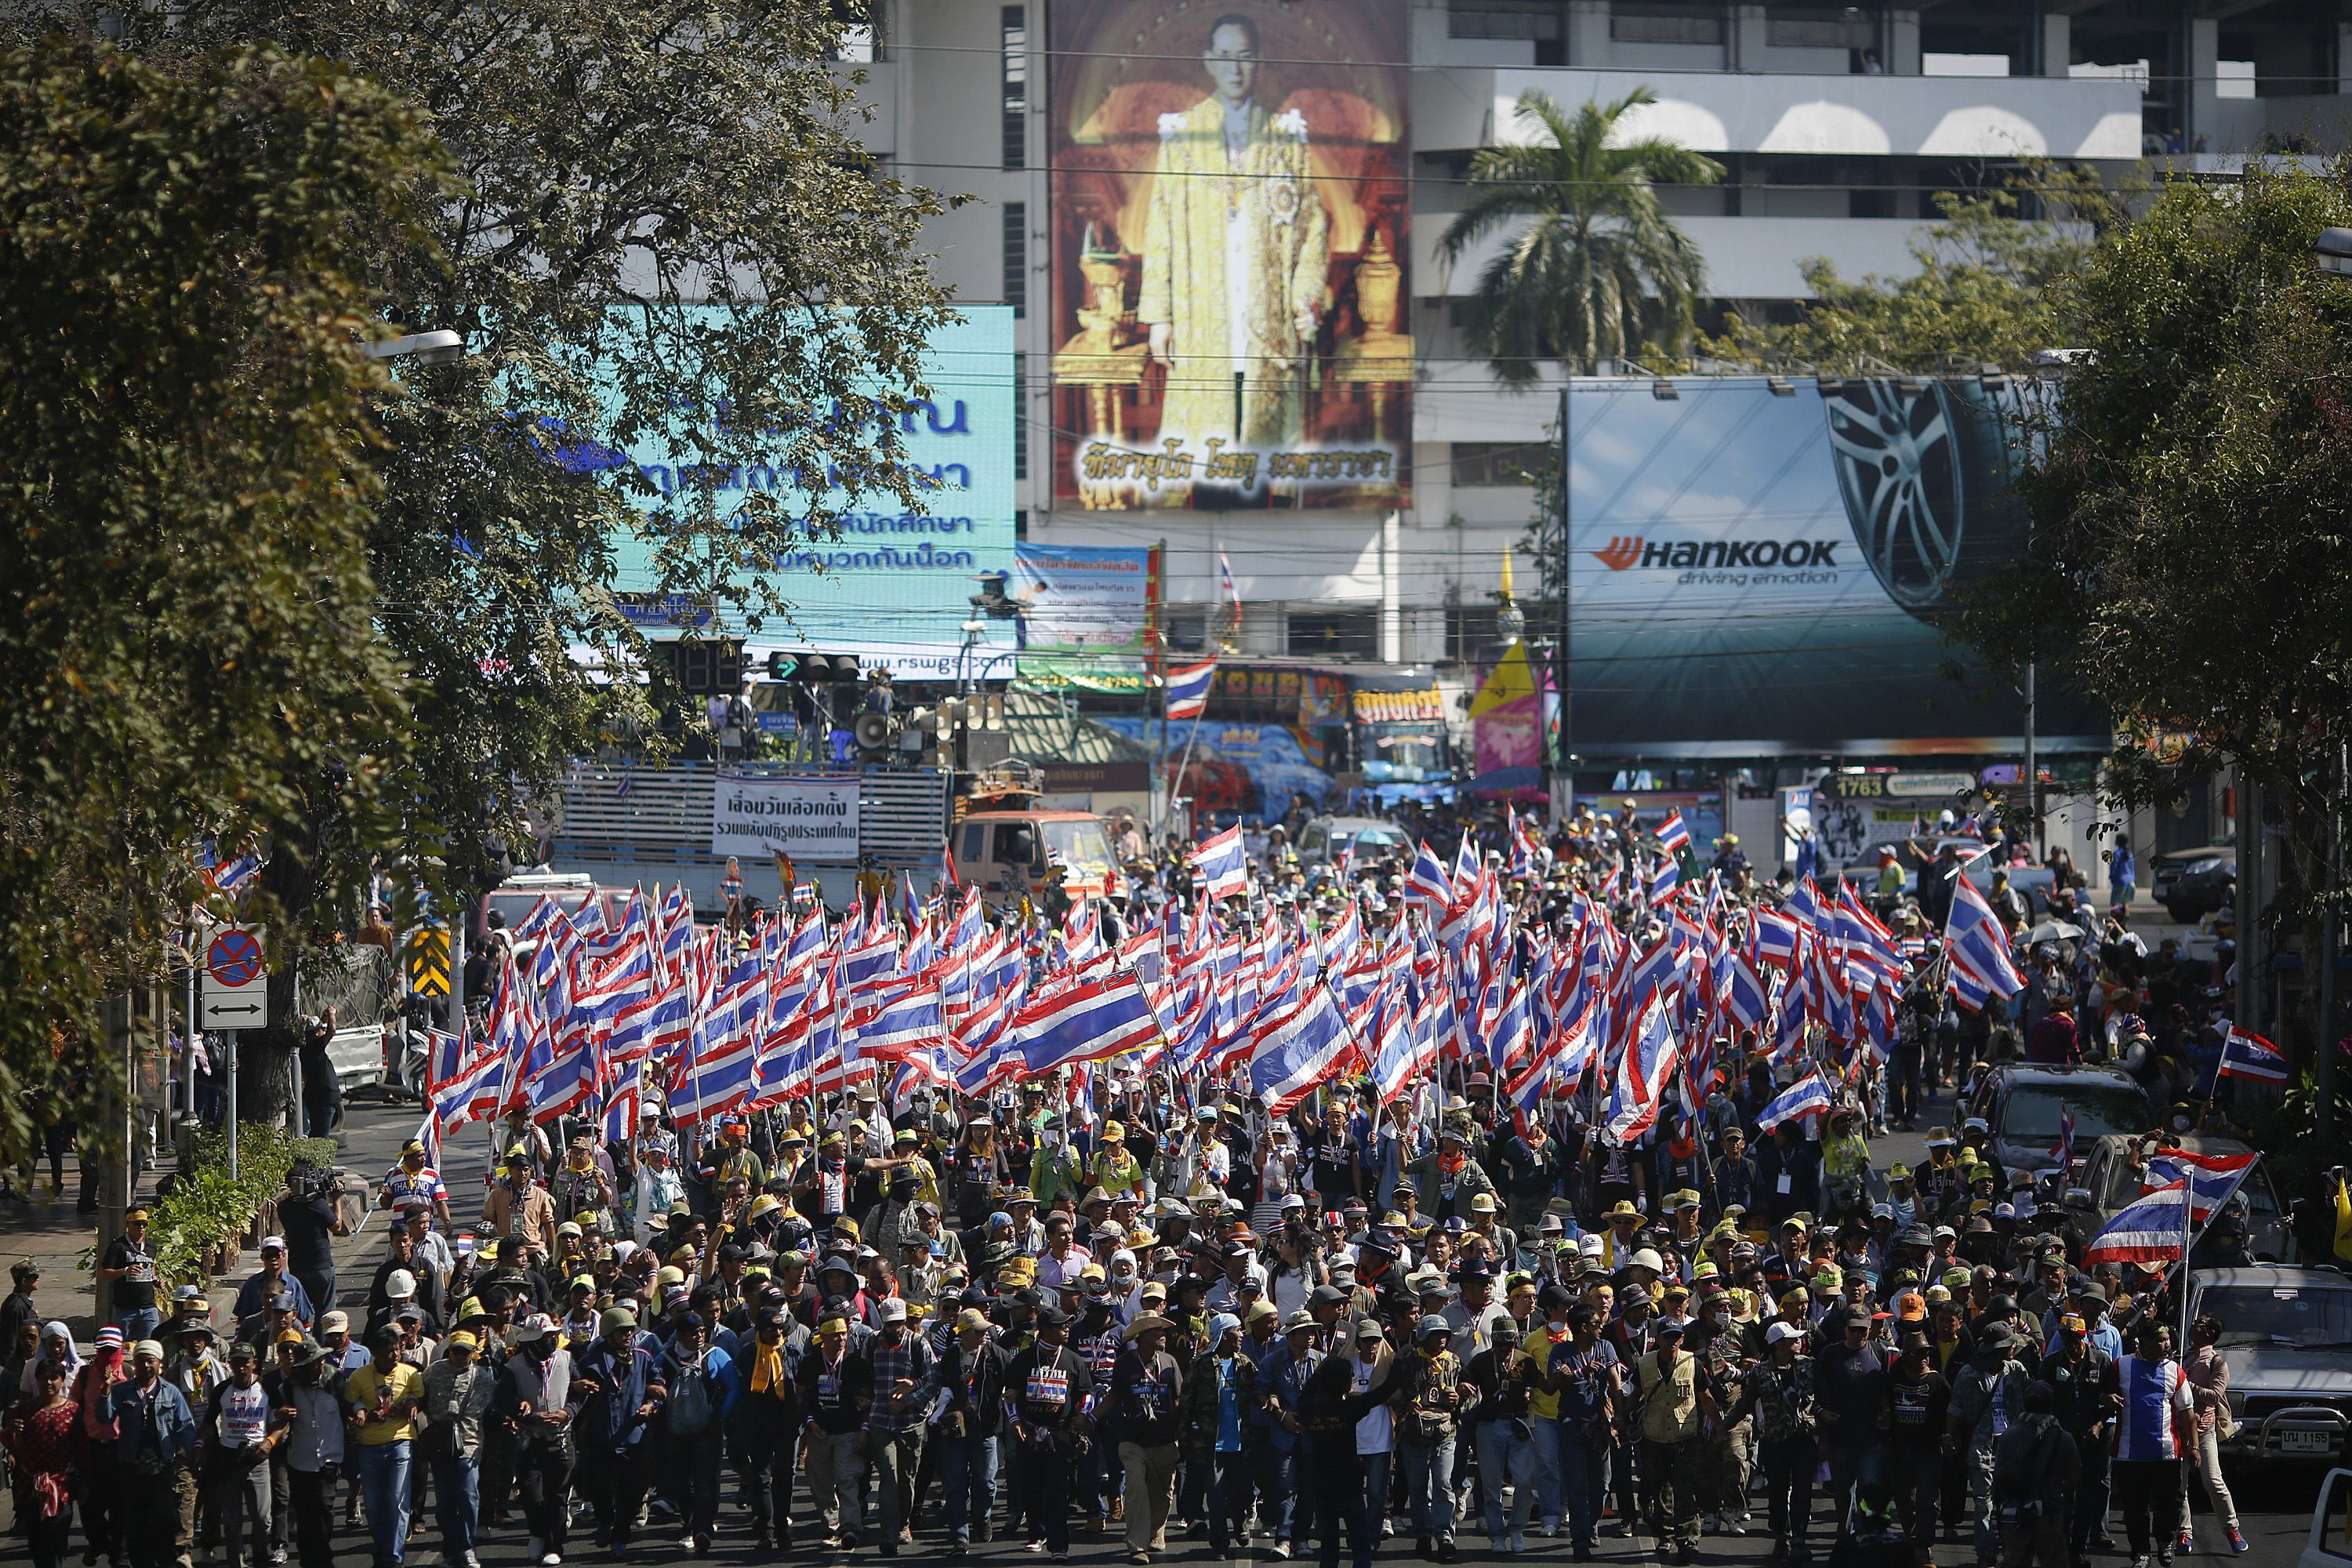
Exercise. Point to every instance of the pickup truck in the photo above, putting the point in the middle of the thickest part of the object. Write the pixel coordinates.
(2286, 1334)
(2108, 1182)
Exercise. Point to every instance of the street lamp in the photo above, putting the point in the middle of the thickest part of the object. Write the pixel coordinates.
(441, 347)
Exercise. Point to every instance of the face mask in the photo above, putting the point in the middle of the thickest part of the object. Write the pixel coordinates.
(1050, 1139)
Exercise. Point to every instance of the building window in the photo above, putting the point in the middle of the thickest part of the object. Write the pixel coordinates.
(1535, 21)
(1020, 524)
(1017, 257)
(1488, 465)
(1013, 33)
(1819, 29)
(1186, 626)
(1632, 23)
(1469, 629)
(1020, 415)
(1320, 634)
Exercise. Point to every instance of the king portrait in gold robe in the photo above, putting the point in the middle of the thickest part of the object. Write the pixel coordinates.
(1236, 262)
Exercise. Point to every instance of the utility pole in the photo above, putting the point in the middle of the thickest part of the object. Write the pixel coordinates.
(2030, 778)
(1560, 786)
(121, 1108)
(2249, 1003)
(2323, 1121)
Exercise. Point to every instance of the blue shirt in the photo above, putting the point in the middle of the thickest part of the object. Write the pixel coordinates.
(1229, 1409)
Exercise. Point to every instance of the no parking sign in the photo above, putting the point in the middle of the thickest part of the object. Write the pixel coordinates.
(236, 991)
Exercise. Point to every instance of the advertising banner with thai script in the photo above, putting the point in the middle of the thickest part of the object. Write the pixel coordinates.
(812, 819)
(1231, 216)
(1755, 575)
(887, 573)
(1086, 614)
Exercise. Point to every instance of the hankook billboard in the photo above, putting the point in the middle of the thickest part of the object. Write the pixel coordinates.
(1755, 574)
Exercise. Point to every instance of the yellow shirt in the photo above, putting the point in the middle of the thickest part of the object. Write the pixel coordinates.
(1117, 1174)
(406, 1386)
(1536, 1351)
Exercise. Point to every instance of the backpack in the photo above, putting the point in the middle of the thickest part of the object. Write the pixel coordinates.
(690, 1407)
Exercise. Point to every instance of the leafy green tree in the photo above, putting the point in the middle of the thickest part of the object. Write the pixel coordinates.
(1991, 286)
(188, 262)
(626, 166)
(2190, 499)
(1588, 242)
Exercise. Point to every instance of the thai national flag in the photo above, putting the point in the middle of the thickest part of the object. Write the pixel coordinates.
(1808, 1096)
(1578, 1041)
(1743, 992)
(2213, 1179)
(2064, 1148)
(1978, 943)
(1775, 940)
(2251, 1057)
(445, 1056)
(1804, 902)
(1404, 1046)
(1225, 583)
(1663, 880)
(1642, 1077)
(1427, 886)
(229, 877)
(1525, 1089)
(1672, 837)
(1085, 1023)
(2152, 1229)
(905, 1016)
(1510, 1030)
(1220, 859)
(476, 1094)
(1305, 1046)
(1187, 689)
(622, 1104)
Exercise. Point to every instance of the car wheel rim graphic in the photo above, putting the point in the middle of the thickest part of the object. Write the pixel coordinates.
(1899, 470)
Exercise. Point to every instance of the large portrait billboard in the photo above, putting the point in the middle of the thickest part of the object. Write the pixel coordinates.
(1753, 575)
(1230, 209)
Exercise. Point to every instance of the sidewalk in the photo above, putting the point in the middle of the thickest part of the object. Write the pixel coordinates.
(54, 1234)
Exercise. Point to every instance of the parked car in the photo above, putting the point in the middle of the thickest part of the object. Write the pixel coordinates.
(2286, 1334)
(2020, 1102)
(2191, 883)
(2108, 1181)
(1338, 840)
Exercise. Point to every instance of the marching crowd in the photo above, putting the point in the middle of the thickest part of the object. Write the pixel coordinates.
(1146, 1307)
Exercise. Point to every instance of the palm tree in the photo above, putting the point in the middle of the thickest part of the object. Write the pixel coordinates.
(1571, 284)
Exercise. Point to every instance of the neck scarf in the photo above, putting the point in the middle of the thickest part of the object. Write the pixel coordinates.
(768, 1368)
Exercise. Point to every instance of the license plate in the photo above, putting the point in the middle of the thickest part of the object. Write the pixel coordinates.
(2307, 1442)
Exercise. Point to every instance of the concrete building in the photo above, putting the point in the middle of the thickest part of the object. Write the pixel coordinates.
(1837, 126)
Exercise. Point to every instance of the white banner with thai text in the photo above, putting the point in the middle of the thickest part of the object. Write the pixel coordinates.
(813, 819)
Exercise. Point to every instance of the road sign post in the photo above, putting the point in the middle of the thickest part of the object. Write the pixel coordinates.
(428, 961)
(235, 982)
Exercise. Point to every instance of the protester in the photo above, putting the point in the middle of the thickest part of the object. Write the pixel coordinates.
(1235, 1280)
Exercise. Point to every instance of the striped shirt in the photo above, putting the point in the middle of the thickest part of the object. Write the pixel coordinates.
(2158, 1409)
